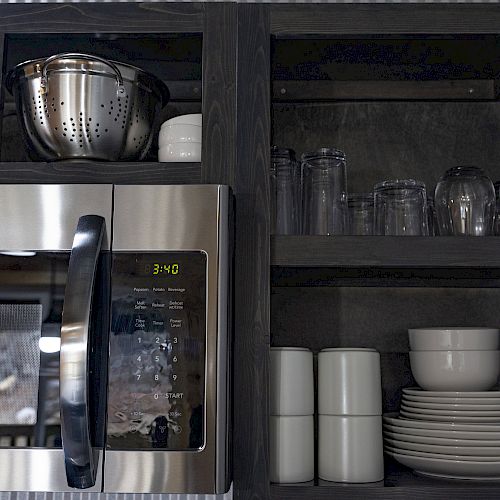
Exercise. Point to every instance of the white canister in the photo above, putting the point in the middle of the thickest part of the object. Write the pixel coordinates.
(291, 449)
(349, 382)
(291, 381)
(350, 449)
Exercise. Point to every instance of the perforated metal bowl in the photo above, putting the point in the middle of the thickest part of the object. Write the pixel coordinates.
(74, 106)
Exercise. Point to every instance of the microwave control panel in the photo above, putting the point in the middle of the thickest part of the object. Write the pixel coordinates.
(156, 387)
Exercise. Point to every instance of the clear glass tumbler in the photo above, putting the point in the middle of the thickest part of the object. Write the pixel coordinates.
(465, 202)
(401, 208)
(285, 192)
(496, 225)
(360, 206)
(431, 216)
(324, 192)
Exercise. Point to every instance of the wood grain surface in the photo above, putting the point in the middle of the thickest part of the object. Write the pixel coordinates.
(102, 18)
(99, 173)
(296, 20)
(219, 93)
(251, 343)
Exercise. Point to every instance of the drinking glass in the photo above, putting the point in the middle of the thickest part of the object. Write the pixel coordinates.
(465, 202)
(401, 208)
(360, 207)
(431, 216)
(285, 192)
(496, 226)
(324, 192)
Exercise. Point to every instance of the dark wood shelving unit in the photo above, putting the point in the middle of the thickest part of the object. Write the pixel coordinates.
(100, 172)
(385, 251)
(386, 84)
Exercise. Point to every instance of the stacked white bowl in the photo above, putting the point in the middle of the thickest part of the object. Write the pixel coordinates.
(180, 139)
(451, 428)
(291, 426)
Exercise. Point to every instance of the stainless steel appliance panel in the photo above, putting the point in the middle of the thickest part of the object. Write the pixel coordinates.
(44, 216)
(181, 218)
(38, 470)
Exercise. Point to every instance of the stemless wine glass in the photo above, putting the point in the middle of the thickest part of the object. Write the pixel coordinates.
(465, 202)
(401, 208)
(360, 207)
(324, 192)
(285, 192)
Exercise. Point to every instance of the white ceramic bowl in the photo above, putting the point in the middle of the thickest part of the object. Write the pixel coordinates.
(180, 151)
(455, 370)
(179, 133)
(192, 119)
(454, 339)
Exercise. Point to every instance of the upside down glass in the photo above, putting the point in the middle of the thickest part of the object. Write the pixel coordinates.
(324, 192)
(496, 226)
(465, 202)
(285, 192)
(360, 206)
(401, 208)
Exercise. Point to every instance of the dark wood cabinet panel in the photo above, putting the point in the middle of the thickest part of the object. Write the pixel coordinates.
(252, 266)
(102, 17)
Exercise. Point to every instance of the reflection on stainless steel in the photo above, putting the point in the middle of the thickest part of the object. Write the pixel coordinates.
(160, 218)
(38, 469)
(79, 455)
(44, 217)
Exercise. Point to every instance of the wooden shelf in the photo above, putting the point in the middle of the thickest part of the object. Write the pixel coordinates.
(387, 90)
(385, 252)
(400, 483)
(100, 172)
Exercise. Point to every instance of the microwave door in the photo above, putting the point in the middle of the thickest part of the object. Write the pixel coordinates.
(36, 240)
(81, 458)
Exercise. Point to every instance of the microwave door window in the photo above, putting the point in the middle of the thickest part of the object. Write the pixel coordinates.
(31, 299)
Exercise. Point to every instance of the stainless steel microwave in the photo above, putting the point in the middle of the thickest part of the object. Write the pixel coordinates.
(114, 338)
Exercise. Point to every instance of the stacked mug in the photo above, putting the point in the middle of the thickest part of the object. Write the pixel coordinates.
(291, 426)
(350, 445)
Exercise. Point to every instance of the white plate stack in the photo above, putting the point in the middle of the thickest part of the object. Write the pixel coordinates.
(291, 425)
(451, 429)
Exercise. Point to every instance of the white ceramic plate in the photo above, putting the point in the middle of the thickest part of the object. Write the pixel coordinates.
(481, 438)
(449, 418)
(394, 419)
(449, 401)
(441, 456)
(433, 440)
(452, 413)
(478, 451)
(452, 469)
(416, 391)
(450, 406)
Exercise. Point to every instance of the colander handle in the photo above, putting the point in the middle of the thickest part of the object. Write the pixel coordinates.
(120, 88)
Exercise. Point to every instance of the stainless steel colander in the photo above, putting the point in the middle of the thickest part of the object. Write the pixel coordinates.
(75, 105)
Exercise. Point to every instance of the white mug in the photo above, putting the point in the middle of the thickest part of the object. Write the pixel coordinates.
(291, 449)
(349, 382)
(292, 381)
(350, 449)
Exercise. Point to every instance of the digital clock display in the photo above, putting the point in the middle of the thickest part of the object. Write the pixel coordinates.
(162, 268)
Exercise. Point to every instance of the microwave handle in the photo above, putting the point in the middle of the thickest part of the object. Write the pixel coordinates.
(75, 337)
